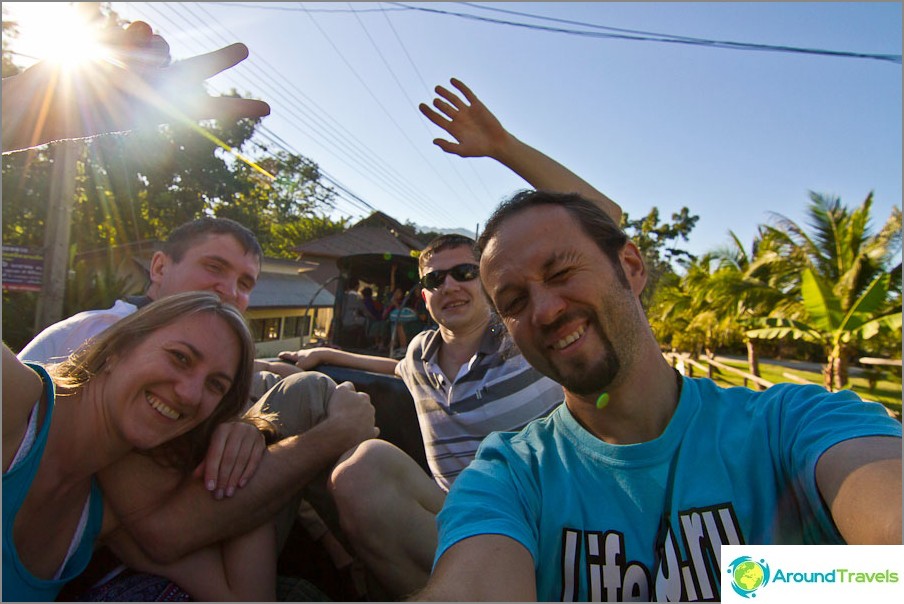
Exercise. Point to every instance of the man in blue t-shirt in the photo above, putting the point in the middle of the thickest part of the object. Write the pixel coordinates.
(630, 488)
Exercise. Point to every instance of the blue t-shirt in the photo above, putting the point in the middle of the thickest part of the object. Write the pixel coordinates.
(18, 583)
(589, 512)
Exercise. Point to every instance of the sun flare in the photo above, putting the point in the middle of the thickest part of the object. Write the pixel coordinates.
(58, 32)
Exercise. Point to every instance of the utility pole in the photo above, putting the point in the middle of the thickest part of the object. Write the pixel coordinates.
(66, 155)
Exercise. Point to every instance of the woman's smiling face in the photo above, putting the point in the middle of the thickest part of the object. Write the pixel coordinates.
(172, 380)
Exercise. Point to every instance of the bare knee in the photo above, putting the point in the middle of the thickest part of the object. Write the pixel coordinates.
(370, 464)
(367, 482)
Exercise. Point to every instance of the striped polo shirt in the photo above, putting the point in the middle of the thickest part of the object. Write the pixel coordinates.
(497, 390)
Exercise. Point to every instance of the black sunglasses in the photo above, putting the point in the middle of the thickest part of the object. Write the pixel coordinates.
(459, 272)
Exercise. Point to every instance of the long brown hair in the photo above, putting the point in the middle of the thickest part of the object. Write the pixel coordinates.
(186, 451)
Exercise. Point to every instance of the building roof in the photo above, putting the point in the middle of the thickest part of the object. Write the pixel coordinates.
(376, 234)
(275, 290)
(286, 267)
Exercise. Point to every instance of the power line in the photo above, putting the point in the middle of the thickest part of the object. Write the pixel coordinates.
(439, 209)
(623, 34)
(262, 6)
(428, 90)
(334, 138)
(356, 198)
(262, 131)
(648, 36)
(405, 93)
(329, 137)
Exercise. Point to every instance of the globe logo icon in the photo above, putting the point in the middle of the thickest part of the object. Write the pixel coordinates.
(748, 575)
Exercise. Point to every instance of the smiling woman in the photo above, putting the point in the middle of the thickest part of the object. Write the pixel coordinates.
(160, 380)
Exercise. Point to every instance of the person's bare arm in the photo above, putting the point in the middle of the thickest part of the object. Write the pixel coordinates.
(136, 87)
(478, 133)
(309, 358)
(21, 389)
(860, 480)
(240, 569)
(485, 568)
(170, 516)
(278, 367)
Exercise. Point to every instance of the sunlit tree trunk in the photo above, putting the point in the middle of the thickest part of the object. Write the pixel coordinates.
(753, 358)
(835, 372)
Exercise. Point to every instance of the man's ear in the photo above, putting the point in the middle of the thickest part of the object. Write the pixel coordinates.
(424, 295)
(159, 264)
(634, 267)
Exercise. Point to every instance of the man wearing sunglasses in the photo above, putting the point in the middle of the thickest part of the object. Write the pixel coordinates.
(466, 377)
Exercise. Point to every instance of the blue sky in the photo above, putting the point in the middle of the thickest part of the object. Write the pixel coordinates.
(732, 134)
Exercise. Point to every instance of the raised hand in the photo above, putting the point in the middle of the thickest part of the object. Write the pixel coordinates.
(135, 85)
(478, 133)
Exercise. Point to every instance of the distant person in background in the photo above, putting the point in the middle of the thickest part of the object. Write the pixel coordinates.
(400, 315)
(373, 309)
(353, 320)
(390, 320)
(395, 301)
(373, 313)
(466, 377)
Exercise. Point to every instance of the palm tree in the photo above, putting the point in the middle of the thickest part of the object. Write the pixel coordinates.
(748, 285)
(833, 274)
(835, 330)
(698, 311)
(718, 292)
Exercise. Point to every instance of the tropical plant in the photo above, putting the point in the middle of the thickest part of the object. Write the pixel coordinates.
(707, 306)
(836, 330)
(844, 260)
(658, 243)
(687, 313)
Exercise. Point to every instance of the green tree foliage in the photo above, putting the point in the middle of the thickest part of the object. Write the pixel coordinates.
(284, 202)
(10, 31)
(679, 313)
(834, 287)
(658, 243)
(838, 276)
(138, 186)
(835, 329)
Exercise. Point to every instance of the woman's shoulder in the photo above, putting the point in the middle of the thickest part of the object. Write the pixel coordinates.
(22, 388)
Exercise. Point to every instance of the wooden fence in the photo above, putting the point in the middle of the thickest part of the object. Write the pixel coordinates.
(686, 365)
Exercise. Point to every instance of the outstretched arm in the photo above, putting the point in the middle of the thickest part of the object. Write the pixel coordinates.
(485, 568)
(169, 516)
(136, 86)
(478, 133)
(309, 358)
(860, 480)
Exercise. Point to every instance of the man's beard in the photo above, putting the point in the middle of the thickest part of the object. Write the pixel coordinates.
(591, 376)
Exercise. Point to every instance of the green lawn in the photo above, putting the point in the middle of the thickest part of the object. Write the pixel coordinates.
(887, 391)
